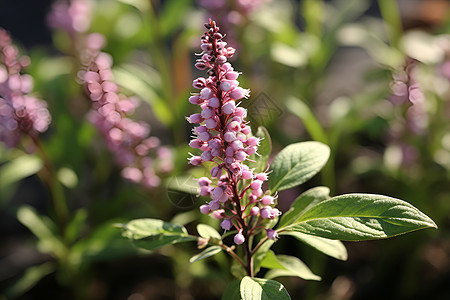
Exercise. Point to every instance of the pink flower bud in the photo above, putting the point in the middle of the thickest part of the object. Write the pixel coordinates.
(199, 83)
(213, 102)
(218, 214)
(225, 86)
(226, 224)
(216, 152)
(204, 209)
(229, 151)
(256, 184)
(196, 100)
(246, 130)
(239, 93)
(195, 160)
(250, 150)
(204, 136)
(229, 160)
(267, 200)
(205, 191)
(228, 108)
(229, 136)
(234, 126)
(195, 118)
(210, 123)
(239, 238)
(252, 141)
(216, 193)
(216, 172)
(196, 143)
(223, 198)
(200, 65)
(240, 112)
(272, 234)
(221, 59)
(204, 181)
(206, 93)
(240, 155)
(265, 212)
(208, 113)
(231, 75)
(262, 176)
(206, 156)
(258, 192)
(247, 174)
(237, 145)
(214, 205)
(254, 211)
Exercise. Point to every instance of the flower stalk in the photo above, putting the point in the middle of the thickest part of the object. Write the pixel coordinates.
(224, 138)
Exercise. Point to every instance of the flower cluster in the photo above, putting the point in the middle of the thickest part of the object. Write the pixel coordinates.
(20, 113)
(407, 96)
(73, 16)
(230, 13)
(224, 138)
(127, 139)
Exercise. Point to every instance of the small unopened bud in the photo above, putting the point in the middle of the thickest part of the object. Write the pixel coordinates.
(239, 238)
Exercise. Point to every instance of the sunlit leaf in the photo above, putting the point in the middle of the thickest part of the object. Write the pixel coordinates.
(264, 289)
(296, 164)
(356, 217)
(210, 251)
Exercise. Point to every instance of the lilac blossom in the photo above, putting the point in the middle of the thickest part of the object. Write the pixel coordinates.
(127, 139)
(224, 138)
(73, 16)
(20, 113)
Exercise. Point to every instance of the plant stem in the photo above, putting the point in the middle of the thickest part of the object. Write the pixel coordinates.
(56, 190)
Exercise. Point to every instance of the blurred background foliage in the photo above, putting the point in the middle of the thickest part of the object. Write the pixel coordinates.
(318, 70)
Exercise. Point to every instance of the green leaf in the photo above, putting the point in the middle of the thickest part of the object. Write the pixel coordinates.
(19, 168)
(172, 15)
(264, 150)
(151, 234)
(312, 125)
(296, 164)
(261, 254)
(262, 289)
(29, 279)
(304, 202)
(232, 292)
(206, 231)
(333, 248)
(210, 251)
(356, 217)
(75, 226)
(285, 265)
(44, 229)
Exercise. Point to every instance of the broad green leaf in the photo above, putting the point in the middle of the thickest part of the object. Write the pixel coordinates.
(296, 164)
(264, 150)
(312, 125)
(44, 229)
(262, 289)
(19, 168)
(304, 202)
(288, 266)
(151, 234)
(206, 231)
(29, 279)
(210, 251)
(333, 248)
(356, 217)
(232, 292)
